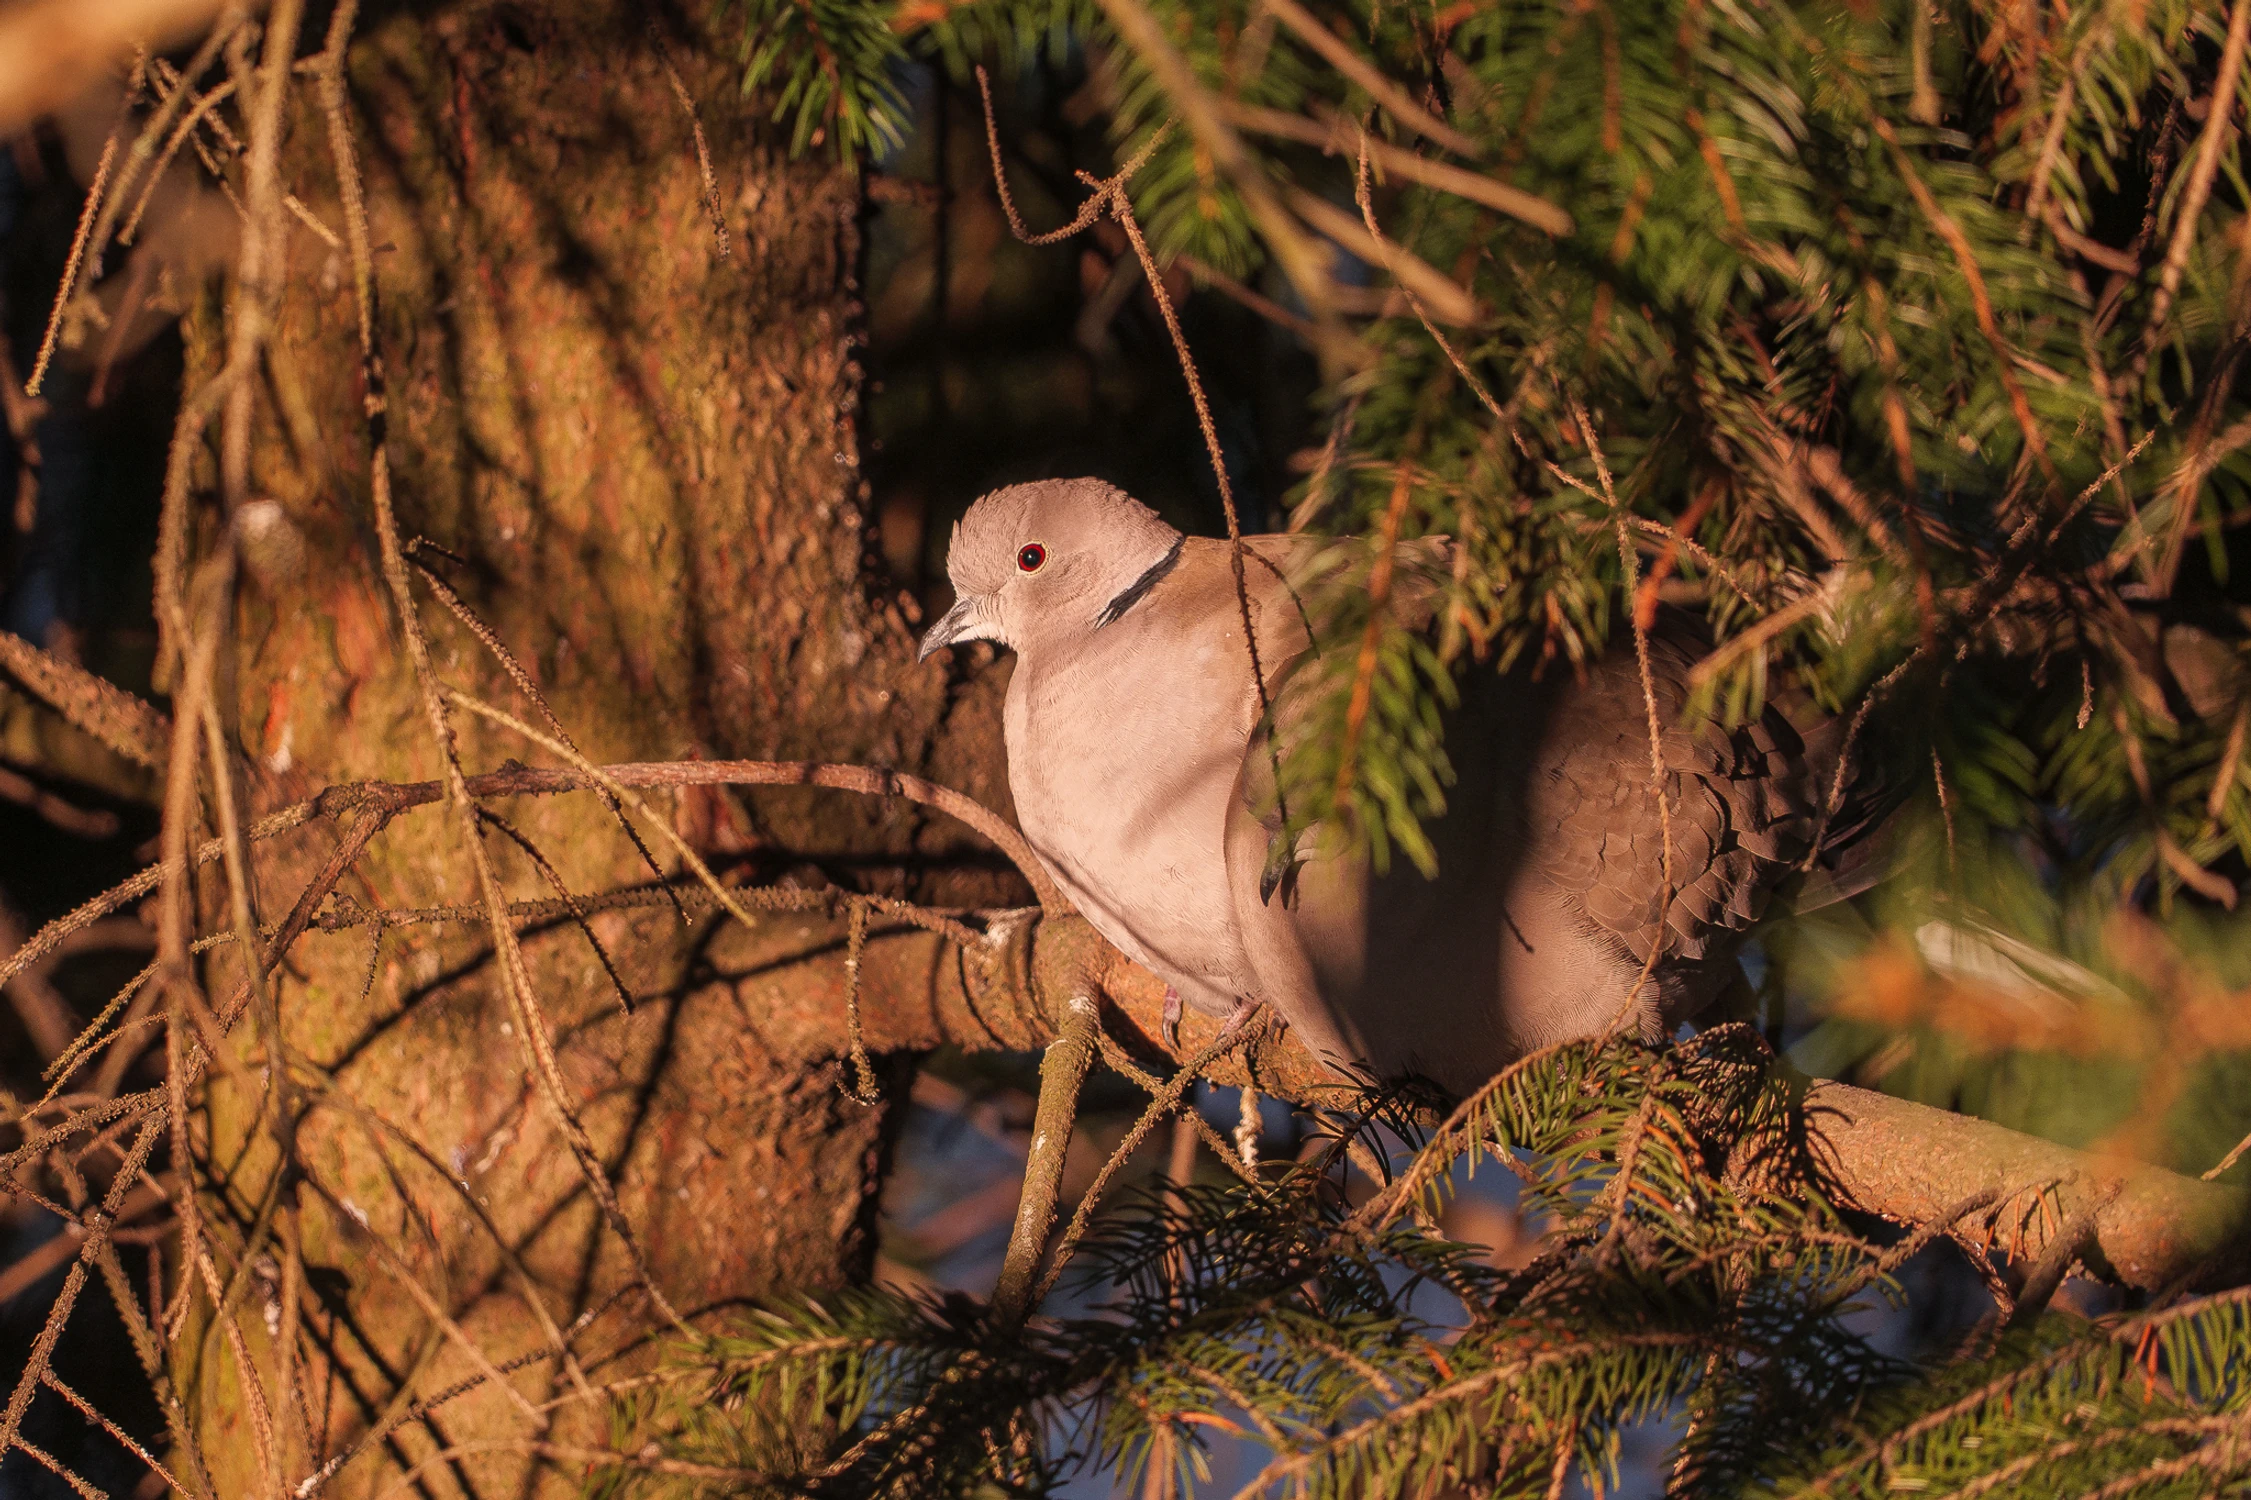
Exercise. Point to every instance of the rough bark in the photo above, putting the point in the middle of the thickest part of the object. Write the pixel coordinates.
(645, 459)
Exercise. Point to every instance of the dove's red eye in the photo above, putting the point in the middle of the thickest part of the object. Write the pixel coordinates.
(1030, 556)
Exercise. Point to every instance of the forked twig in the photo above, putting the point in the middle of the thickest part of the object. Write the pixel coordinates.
(1062, 1069)
(1241, 1031)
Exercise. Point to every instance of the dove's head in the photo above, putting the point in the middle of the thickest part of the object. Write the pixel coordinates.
(1053, 560)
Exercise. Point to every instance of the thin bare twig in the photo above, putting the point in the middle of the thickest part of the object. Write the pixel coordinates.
(230, 17)
(77, 258)
(711, 203)
(1150, 1084)
(491, 641)
(1629, 564)
(258, 267)
(1110, 197)
(571, 901)
(43, 1347)
(111, 715)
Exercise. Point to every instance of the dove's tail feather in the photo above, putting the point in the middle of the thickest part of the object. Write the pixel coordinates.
(1860, 789)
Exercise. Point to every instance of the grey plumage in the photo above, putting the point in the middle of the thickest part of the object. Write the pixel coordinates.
(1132, 725)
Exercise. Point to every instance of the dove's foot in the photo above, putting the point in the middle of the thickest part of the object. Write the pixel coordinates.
(1239, 1017)
(1171, 1028)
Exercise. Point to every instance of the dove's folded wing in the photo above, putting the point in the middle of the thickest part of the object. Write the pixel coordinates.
(1552, 886)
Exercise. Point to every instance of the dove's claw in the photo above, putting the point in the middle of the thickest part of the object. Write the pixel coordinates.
(1245, 1008)
(1172, 1017)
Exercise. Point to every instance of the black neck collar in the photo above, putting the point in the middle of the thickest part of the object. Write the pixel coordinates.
(1134, 592)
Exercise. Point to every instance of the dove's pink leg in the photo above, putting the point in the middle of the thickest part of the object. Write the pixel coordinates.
(1172, 1017)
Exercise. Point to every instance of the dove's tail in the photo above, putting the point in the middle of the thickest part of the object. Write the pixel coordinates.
(1858, 789)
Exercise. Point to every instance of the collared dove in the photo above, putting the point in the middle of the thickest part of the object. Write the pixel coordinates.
(1140, 774)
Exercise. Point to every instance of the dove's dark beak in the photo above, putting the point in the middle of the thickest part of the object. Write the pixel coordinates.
(951, 627)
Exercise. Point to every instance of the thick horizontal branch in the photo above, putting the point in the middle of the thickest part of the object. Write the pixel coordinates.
(2142, 1225)
(2145, 1227)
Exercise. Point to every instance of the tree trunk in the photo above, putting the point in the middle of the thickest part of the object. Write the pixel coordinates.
(642, 460)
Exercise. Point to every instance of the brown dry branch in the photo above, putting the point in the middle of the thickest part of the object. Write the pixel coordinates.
(570, 902)
(1608, 497)
(1109, 199)
(204, 603)
(1190, 1120)
(166, 78)
(121, 933)
(30, 1268)
(46, 1016)
(374, 804)
(70, 267)
(258, 271)
(1069, 1057)
(97, 1236)
(601, 780)
(500, 653)
(2235, 1154)
(1122, 209)
(146, 153)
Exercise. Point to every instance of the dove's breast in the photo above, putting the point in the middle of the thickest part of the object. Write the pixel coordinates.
(1122, 756)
